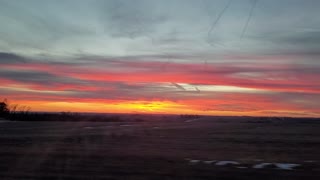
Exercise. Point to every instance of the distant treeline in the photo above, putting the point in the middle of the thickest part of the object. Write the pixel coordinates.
(17, 112)
(63, 116)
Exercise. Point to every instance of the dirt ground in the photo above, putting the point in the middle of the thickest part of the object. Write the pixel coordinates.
(174, 148)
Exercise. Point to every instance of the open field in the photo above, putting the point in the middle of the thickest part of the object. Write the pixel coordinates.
(174, 148)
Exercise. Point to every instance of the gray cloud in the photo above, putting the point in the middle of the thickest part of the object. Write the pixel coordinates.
(6, 58)
(129, 18)
(44, 78)
(305, 39)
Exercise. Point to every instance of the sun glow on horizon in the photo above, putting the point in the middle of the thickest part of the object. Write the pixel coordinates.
(150, 107)
(107, 107)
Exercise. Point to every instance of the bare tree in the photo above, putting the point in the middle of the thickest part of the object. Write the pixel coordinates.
(13, 108)
(4, 110)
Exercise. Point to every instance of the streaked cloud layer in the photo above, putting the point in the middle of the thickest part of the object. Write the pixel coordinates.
(205, 57)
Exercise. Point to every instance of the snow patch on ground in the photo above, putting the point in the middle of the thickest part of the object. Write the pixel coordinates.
(286, 166)
(224, 163)
(283, 166)
(194, 161)
(261, 165)
(209, 162)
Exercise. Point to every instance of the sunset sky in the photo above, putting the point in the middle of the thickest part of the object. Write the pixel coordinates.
(215, 57)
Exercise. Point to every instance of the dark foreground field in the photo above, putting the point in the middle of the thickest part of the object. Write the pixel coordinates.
(201, 148)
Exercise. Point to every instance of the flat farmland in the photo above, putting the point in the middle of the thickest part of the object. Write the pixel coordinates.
(172, 148)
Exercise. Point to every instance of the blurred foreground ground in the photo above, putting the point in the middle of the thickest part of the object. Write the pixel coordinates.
(161, 149)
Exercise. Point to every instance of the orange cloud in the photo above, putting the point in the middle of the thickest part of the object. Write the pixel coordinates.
(147, 87)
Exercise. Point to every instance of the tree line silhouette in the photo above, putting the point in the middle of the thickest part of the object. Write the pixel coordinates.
(16, 112)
